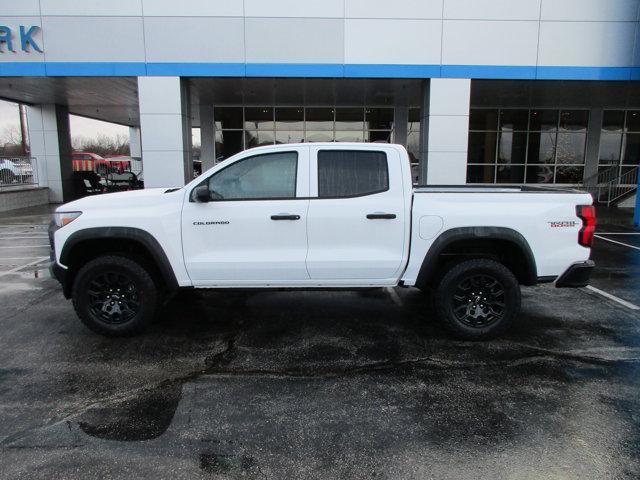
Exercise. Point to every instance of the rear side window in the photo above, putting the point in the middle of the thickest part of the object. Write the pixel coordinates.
(351, 173)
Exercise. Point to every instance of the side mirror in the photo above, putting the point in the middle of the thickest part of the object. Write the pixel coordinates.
(202, 194)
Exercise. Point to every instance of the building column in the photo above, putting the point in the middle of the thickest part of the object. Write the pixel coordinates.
(135, 144)
(165, 123)
(446, 127)
(400, 124)
(50, 143)
(207, 137)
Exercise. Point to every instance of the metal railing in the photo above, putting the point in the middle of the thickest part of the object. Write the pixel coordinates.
(17, 171)
(610, 185)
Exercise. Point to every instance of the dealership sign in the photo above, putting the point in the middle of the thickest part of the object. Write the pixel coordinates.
(9, 39)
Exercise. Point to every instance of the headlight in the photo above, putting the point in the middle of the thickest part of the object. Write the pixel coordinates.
(65, 218)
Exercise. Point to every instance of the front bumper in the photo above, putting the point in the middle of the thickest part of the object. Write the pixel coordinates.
(577, 275)
(56, 270)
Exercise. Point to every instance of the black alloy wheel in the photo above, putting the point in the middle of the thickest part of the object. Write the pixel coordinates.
(478, 300)
(113, 297)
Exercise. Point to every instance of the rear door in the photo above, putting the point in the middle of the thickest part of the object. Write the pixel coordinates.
(356, 220)
(253, 231)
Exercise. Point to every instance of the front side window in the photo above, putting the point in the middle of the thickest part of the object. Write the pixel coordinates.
(350, 173)
(272, 175)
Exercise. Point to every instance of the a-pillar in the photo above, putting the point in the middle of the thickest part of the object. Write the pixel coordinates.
(447, 133)
(165, 123)
(50, 144)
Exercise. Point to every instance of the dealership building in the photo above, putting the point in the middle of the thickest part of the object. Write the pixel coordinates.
(479, 91)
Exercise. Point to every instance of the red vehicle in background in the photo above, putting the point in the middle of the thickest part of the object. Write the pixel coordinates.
(92, 162)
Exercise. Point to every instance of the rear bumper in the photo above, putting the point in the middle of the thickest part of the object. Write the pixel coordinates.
(577, 275)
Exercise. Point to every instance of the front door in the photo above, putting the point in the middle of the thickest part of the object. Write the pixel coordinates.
(357, 227)
(253, 231)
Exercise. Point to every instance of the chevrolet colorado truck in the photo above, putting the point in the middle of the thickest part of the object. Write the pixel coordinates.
(320, 216)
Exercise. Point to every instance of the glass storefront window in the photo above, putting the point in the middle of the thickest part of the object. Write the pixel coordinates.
(483, 119)
(632, 149)
(510, 174)
(319, 136)
(543, 120)
(512, 147)
(258, 118)
(619, 142)
(257, 138)
(613, 121)
(570, 148)
(349, 136)
(319, 118)
(238, 128)
(291, 118)
(289, 136)
(574, 120)
(526, 145)
(350, 119)
(633, 121)
(573, 174)
(480, 174)
(610, 144)
(377, 136)
(228, 117)
(482, 147)
(514, 119)
(380, 118)
(542, 147)
(539, 174)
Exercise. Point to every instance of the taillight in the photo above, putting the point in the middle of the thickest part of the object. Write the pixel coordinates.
(587, 214)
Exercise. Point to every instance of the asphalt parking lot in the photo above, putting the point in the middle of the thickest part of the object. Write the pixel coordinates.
(320, 385)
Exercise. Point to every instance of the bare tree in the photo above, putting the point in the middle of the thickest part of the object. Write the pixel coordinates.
(11, 141)
(103, 145)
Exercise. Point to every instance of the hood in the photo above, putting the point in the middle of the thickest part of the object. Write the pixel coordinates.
(128, 199)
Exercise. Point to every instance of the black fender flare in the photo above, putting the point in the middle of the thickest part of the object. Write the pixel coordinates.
(143, 237)
(446, 238)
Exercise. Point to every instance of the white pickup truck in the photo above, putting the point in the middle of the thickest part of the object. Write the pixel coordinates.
(329, 216)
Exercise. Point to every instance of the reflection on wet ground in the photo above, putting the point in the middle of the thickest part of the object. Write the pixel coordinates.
(322, 385)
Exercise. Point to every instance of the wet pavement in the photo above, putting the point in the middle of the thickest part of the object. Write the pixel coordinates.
(319, 385)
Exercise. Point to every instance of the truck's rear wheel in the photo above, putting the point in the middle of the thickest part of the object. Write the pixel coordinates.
(115, 296)
(477, 299)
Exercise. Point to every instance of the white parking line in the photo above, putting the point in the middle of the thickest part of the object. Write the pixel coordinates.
(618, 233)
(41, 237)
(615, 241)
(2, 259)
(14, 270)
(395, 298)
(619, 300)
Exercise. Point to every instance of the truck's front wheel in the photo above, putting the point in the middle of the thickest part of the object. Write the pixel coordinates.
(477, 299)
(115, 296)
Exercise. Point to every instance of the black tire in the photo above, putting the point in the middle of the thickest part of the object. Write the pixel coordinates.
(115, 296)
(477, 299)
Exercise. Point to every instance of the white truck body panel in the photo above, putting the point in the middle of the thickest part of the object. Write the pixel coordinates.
(223, 244)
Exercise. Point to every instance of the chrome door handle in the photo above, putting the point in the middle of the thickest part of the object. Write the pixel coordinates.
(285, 216)
(381, 216)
